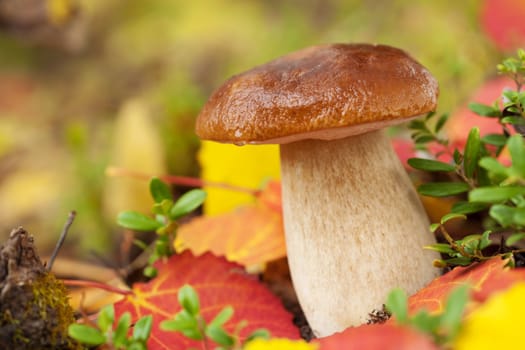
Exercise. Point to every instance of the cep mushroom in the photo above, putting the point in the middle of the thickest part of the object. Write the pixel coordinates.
(354, 225)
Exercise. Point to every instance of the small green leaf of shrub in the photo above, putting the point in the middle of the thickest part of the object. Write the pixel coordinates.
(218, 335)
(429, 165)
(142, 329)
(105, 319)
(191, 324)
(159, 190)
(463, 207)
(121, 331)
(484, 110)
(443, 189)
(472, 152)
(136, 221)
(442, 327)
(495, 194)
(397, 305)
(86, 334)
(189, 299)
(187, 203)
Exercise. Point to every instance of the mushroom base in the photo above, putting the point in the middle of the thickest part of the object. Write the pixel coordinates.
(355, 228)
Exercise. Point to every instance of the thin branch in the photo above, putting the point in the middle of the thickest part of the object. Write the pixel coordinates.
(96, 284)
(180, 180)
(61, 239)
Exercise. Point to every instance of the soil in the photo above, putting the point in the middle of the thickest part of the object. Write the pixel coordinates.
(277, 277)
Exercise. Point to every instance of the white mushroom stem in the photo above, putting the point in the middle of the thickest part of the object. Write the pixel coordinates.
(355, 228)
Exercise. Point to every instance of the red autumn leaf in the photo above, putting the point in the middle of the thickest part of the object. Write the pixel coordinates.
(378, 336)
(250, 235)
(503, 22)
(485, 278)
(219, 283)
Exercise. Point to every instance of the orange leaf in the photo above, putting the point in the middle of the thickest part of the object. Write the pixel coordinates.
(485, 278)
(218, 283)
(251, 235)
(377, 336)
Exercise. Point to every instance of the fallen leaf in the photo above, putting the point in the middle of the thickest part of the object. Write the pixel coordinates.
(218, 283)
(251, 235)
(497, 324)
(377, 336)
(136, 146)
(503, 22)
(485, 278)
(280, 344)
(246, 166)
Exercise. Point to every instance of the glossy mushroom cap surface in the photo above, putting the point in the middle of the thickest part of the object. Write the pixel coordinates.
(322, 92)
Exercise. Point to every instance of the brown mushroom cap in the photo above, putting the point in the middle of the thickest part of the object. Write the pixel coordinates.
(321, 92)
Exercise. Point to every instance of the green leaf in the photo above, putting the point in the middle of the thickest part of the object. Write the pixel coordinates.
(121, 331)
(517, 153)
(218, 335)
(136, 221)
(519, 216)
(142, 329)
(182, 326)
(424, 139)
(397, 305)
(484, 240)
(150, 271)
(443, 189)
(454, 309)
(461, 261)
(184, 323)
(222, 317)
(188, 202)
(425, 322)
(457, 156)
(105, 318)
(493, 166)
(434, 227)
(189, 299)
(472, 151)
(86, 334)
(159, 190)
(515, 237)
(430, 165)
(495, 139)
(513, 120)
(503, 214)
(452, 216)
(163, 207)
(440, 123)
(495, 194)
(418, 124)
(258, 333)
(136, 346)
(484, 110)
(182, 320)
(444, 248)
(462, 207)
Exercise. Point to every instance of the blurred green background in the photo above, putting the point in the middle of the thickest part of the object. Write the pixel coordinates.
(93, 83)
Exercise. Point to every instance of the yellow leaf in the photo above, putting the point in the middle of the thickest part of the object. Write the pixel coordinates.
(246, 166)
(279, 344)
(136, 147)
(497, 324)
